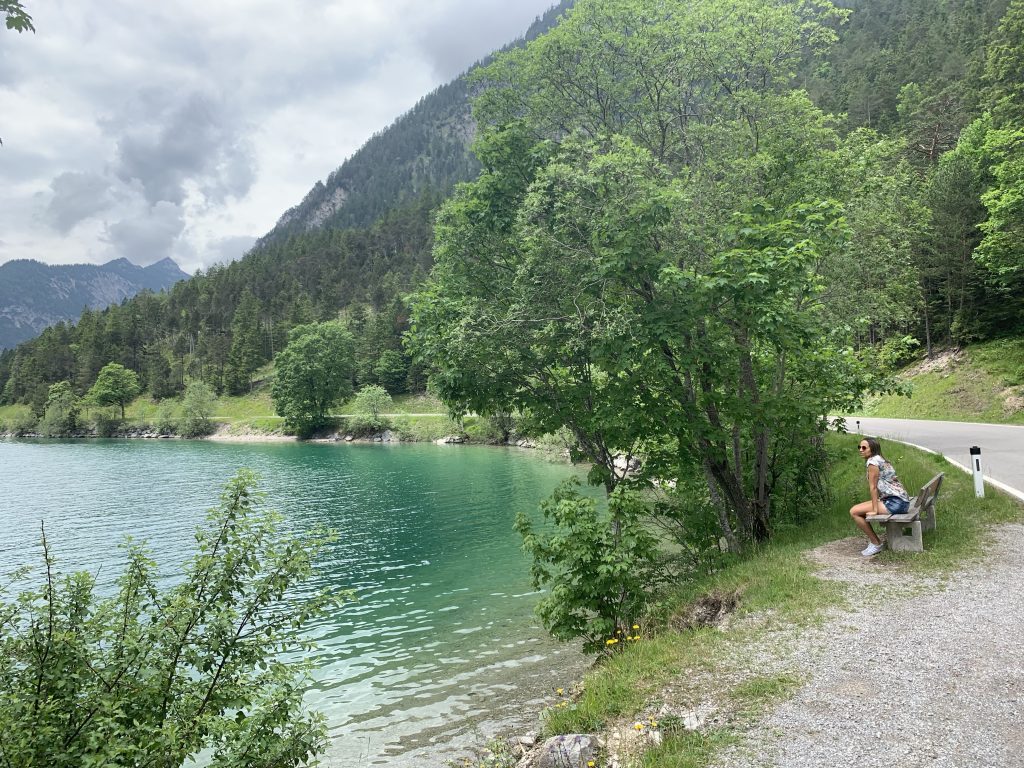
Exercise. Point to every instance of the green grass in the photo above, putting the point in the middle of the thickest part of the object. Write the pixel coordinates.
(417, 403)
(778, 589)
(11, 412)
(688, 749)
(255, 413)
(12, 416)
(987, 385)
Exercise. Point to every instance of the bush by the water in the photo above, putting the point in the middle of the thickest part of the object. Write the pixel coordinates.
(160, 675)
(370, 405)
(600, 569)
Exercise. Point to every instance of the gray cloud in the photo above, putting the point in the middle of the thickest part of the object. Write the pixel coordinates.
(231, 248)
(76, 196)
(456, 41)
(168, 129)
(150, 236)
(168, 144)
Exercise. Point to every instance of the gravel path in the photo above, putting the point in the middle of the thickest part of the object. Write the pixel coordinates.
(925, 675)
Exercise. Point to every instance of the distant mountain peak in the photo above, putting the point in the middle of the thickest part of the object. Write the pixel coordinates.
(34, 295)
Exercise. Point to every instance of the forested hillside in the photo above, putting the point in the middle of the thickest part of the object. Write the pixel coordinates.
(923, 154)
(425, 152)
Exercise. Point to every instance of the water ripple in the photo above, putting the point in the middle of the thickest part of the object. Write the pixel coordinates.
(442, 626)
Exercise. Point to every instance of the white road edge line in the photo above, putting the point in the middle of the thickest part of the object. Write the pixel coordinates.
(996, 483)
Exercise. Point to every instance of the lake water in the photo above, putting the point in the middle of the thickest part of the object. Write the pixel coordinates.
(441, 645)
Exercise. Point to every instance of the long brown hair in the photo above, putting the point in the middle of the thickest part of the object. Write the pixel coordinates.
(873, 446)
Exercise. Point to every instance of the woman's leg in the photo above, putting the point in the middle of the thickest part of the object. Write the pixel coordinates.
(859, 513)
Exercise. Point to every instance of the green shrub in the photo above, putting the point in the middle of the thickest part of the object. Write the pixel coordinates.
(158, 673)
(369, 406)
(105, 424)
(20, 424)
(60, 416)
(196, 408)
(600, 569)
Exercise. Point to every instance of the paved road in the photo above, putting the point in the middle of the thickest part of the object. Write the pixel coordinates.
(1002, 446)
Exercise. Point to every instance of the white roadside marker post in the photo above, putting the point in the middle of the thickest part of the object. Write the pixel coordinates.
(979, 479)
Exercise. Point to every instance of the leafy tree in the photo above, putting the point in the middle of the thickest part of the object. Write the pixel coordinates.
(197, 407)
(16, 16)
(639, 274)
(314, 373)
(872, 286)
(952, 281)
(162, 675)
(372, 401)
(1002, 249)
(160, 377)
(61, 414)
(369, 405)
(115, 385)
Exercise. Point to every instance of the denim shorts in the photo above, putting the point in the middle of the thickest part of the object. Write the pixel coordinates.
(896, 505)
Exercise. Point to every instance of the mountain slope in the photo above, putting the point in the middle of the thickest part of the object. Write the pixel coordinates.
(34, 295)
(425, 151)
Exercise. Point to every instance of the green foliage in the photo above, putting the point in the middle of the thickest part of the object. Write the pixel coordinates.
(873, 284)
(897, 351)
(115, 385)
(166, 421)
(314, 372)
(633, 291)
(16, 16)
(160, 673)
(1002, 249)
(19, 421)
(369, 406)
(246, 353)
(392, 370)
(104, 424)
(600, 570)
(62, 409)
(196, 409)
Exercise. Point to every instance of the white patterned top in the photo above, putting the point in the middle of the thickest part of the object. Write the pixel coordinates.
(888, 483)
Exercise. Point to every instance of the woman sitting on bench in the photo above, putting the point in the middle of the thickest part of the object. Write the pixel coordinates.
(886, 492)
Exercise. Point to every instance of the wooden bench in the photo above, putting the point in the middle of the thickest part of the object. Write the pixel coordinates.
(903, 532)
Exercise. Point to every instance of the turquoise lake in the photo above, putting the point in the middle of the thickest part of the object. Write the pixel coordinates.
(441, 645)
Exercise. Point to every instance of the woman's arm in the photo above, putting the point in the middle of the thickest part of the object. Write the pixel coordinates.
(876, 507)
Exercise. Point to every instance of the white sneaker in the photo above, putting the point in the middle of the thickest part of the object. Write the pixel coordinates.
(872, 550)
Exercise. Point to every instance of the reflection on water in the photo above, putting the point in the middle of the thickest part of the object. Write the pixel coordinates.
(441, 634)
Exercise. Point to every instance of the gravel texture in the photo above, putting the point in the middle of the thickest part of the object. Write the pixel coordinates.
(925, 673)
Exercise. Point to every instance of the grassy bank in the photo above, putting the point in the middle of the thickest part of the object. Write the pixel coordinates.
(418, 417)
(983, 383)
(777, 591)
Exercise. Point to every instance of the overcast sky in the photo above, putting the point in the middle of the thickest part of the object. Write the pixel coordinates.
(186, 128)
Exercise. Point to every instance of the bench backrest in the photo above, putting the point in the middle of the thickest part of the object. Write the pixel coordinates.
(927, 495)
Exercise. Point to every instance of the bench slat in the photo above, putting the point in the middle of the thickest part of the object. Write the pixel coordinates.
(908, 517)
